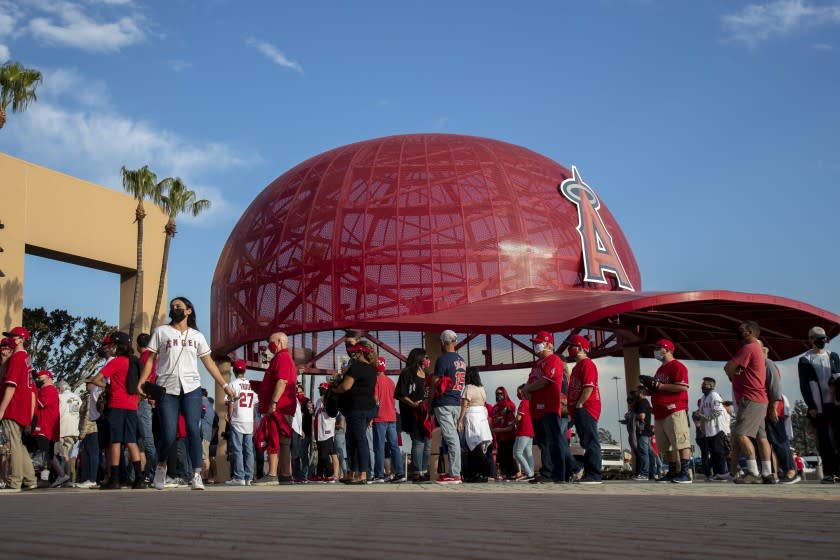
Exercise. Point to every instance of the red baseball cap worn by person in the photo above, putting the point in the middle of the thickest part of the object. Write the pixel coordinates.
(44, 373)
(664, 343)
(543, 337)
(325, 386)
(380, 364)
(239, 365)
(7, 343)
(577, 340)
(22, 332)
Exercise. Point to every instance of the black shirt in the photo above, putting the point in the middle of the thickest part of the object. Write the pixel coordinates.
(412, 386)
(360, 395)
(643, 428)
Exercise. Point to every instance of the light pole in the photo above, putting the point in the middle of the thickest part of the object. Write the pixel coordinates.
(618, 410)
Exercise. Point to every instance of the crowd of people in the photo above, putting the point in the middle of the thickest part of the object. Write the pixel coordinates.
(145, 421)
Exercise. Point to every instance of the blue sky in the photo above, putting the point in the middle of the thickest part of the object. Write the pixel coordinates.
(709, 128)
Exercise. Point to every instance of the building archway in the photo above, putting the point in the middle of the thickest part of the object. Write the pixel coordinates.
(59, 217)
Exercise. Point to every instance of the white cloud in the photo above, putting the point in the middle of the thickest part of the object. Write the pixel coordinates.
(67, 83)
(93, 142)
(71, 27)
(4, 53)
(7, 21)
(178, 65)
(760, 22)
(273, 54)
(823, 47)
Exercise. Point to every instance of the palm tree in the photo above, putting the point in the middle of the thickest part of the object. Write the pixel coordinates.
(18, 88)
(141, 184)
(177, 200)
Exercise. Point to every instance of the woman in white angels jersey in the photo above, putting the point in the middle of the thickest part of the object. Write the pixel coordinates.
(179, 345)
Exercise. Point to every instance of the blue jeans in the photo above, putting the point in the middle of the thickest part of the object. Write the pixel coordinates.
(301, 449)
(90, 458)
(643, 457)
(778, 438)
(420, 447)
(357, 442)
(168, 409)
(144, 425)
(383, 431)
(557, 460)
(447, 419)
(523, 452)
(242, 455)
(341, 450)
(587, 431)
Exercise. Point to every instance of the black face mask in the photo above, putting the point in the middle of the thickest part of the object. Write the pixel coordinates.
(39, 383)
(321, 392)
(177, 315)
(819, 343)
(706, 390)
(348, 346)
(101, 352)
(500, 398)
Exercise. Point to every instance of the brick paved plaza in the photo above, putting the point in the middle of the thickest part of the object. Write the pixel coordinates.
(502, 520)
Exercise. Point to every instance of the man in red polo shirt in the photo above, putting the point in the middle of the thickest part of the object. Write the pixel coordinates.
(546, 390)
(669, 397)
(17, 407)
(585, 405)
(277, 404)
(747, 371)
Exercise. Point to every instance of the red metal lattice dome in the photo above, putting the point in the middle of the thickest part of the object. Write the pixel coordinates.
(396, 227)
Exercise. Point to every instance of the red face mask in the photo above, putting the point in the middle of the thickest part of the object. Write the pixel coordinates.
(272, 347)
(573, 352)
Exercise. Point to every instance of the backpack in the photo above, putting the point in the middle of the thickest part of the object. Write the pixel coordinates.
(132, 378)
(331, 403)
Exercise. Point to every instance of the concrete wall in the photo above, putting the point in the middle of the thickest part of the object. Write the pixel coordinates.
(53, 215)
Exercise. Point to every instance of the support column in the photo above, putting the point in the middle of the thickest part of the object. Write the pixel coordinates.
(433, 352)
(222, 464)
(632, 368)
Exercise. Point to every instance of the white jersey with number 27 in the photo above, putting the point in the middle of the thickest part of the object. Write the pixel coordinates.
(244, 404)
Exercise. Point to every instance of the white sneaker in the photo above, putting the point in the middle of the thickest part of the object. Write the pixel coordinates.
(197, 483)
(171, 482)
(45, 474)
(85, 484)
(59, 481)
(235, 482)
(160, 477)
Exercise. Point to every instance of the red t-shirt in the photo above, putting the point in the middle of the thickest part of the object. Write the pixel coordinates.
(664, 404)
(281, 367)
(549, 398)
(525, 427)
(384, 393)
(585, 374)
(750, 383)
(116, 370)
(18, 375)
(144, 357)
(47, 414)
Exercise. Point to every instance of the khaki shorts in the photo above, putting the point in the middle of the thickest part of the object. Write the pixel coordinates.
(749, 421)
(65, 445)
(672, 432)
(205, 450)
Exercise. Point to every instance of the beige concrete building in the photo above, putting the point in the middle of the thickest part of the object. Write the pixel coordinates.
(56, 216)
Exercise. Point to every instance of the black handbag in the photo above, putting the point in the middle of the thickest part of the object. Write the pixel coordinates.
(154, 391)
